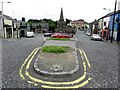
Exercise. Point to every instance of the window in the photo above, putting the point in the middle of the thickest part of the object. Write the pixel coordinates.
(104, 23)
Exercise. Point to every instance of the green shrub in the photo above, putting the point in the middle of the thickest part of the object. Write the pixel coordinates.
(55, 49)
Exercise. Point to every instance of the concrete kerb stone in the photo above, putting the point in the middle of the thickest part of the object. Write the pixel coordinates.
(46, 73)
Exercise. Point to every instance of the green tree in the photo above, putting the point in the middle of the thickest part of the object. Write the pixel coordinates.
(52, 25)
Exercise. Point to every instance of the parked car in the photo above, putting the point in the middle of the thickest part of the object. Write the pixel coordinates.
(47, 34)
(30, 34)
(62, 35)
(96, 37)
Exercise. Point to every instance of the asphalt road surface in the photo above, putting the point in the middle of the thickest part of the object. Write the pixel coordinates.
(14, 53)
(102, 56)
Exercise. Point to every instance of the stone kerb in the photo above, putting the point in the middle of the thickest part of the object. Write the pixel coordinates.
(41, 66)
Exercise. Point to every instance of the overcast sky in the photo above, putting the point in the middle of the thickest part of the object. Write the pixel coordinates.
(89, 10)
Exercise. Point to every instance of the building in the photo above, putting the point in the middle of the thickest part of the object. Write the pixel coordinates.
(44, 26)
(61, 24)
(36, 27)
(79, 24)
(104, 25)
(10, 27)
(119, 5)
(62, 27)
(23, 28)
(116, 24)
(1, 34)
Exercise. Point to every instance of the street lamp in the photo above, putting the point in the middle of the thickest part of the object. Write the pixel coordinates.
(2, 18)
(113, 21)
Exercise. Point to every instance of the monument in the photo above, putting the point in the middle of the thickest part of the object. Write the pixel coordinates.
(61, 25)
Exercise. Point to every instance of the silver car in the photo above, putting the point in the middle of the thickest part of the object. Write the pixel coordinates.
(96, 37)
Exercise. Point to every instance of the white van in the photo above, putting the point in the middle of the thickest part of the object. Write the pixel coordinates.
(30, 34)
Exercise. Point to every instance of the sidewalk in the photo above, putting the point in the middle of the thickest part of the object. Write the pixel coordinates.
(57, 64)
(113, 43)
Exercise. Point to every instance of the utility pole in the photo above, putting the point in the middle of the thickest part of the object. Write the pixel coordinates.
(113, 21)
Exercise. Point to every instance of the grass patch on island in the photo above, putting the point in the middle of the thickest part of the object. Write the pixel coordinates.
(55, 49)
(62, 39)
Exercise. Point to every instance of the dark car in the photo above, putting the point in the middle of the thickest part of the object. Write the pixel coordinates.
(47, 34)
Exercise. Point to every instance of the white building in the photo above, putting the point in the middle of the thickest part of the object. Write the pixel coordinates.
(106, 22)
(1, 24)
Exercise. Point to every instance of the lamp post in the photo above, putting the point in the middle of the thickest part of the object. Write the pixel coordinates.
(2, 16)
(113, 21)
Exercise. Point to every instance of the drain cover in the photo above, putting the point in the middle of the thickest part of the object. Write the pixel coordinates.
(56, 68)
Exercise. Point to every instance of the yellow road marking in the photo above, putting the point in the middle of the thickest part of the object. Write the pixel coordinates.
(68, 87)
(54, 83)
(28, 65)
(30, 82)
(80, 51)
(86, 59)
(20, 70)
(57, 83)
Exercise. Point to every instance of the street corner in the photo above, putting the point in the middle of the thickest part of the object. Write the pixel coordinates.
(73, 82)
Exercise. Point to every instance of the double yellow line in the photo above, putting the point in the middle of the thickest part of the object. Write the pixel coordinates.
(85, 56)
(30, 58)
(20, 70)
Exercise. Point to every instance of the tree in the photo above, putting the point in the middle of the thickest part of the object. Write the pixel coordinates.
(52, 25)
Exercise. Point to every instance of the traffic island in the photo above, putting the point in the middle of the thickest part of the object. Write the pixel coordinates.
(56, 61)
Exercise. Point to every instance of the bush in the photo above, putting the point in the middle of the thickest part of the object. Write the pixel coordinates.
(55, 49)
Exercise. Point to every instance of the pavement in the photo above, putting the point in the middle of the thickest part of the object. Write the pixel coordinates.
(57, 64)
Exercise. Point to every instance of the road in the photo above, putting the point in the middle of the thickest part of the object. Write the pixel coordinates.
(14, 53)
(103, 58)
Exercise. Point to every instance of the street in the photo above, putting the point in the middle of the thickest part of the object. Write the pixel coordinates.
(102, 56)
(14, 52)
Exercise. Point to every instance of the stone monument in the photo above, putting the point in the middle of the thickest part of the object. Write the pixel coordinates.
(62, 27)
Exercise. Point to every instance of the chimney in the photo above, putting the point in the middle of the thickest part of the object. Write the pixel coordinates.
(23, 19)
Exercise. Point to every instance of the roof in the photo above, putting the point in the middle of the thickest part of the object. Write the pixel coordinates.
(20, 21)
(10, 18)
(109, 14)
